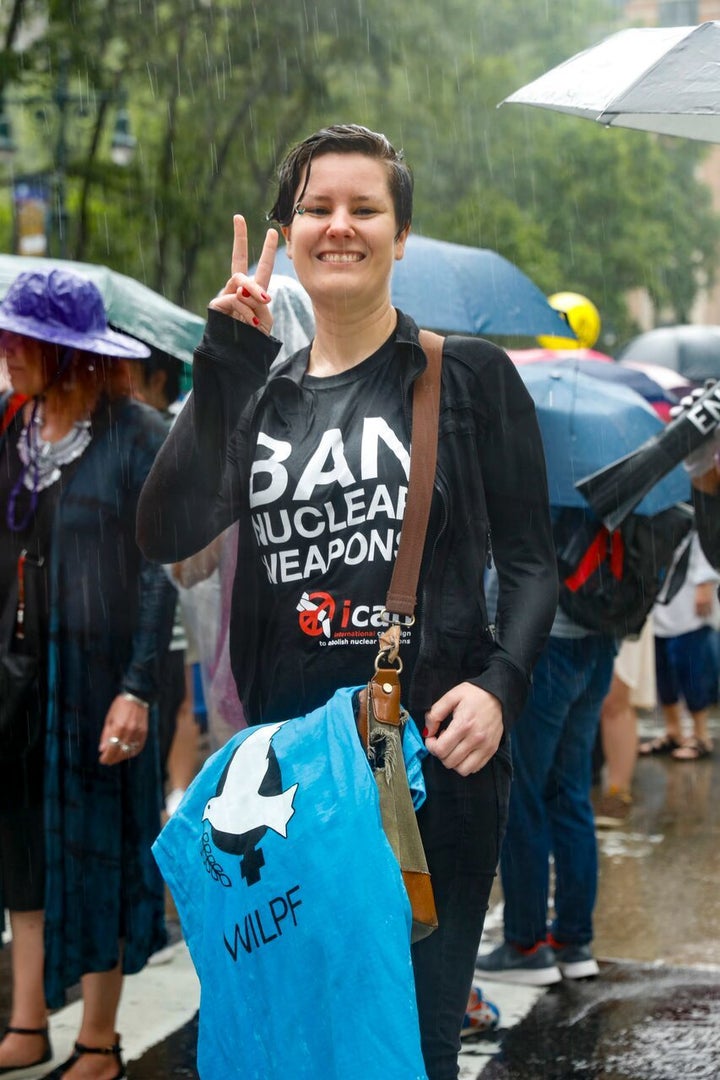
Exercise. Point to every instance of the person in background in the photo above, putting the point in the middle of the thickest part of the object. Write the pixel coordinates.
(251, 435)
(704, 472)
(632, 688)
(80, 809)
(685, 661)
(703, 467)
(551, 815)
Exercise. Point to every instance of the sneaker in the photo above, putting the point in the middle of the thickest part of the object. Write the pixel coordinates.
(613, 808)
(482, 1015)
(530, 967)
(574, 961)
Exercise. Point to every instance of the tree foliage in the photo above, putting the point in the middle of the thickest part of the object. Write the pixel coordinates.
(218, 89)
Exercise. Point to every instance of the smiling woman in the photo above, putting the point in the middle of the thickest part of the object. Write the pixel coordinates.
(343, 240)
(311, 456)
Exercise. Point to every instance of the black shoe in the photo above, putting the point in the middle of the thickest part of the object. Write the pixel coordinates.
(78, 1052)
(18, 1072)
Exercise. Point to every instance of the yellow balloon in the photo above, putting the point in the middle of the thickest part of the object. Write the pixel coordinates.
(584, 319)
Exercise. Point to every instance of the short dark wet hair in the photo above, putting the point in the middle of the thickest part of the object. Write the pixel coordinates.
(159, 360)
(343, 139)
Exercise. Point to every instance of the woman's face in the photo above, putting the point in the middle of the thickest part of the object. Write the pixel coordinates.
(25, 363)
(343, 240)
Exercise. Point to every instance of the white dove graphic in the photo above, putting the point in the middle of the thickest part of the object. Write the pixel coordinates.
(238, 807)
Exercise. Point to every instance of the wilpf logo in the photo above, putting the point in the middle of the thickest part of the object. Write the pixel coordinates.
(249, 800)
(316, 614)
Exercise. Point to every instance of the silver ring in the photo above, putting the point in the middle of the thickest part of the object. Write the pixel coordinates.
(127, 748)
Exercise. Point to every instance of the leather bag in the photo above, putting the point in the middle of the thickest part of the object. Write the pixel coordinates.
(380, 715)
(20, 705)
(21, 712)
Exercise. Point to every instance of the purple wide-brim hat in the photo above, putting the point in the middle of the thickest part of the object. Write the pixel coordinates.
(64, 308)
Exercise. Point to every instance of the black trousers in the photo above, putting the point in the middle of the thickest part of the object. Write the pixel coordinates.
(462, 824)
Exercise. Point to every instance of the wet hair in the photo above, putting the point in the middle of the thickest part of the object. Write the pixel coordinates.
(158, 360)
(342, 139)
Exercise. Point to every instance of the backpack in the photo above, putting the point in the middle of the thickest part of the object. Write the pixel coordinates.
(609, 581)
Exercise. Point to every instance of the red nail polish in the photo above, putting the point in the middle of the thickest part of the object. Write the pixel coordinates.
(425, 733)
(256, 321)
(264, 296)
(244, 291)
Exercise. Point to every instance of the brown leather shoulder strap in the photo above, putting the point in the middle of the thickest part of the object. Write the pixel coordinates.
(402, 594)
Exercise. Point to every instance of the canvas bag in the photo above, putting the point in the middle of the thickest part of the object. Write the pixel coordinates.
(293, 908)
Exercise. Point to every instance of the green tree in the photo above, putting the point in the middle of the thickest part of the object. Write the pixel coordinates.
(218, 90)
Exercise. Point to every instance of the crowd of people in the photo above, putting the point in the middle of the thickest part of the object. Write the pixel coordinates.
(292, 451)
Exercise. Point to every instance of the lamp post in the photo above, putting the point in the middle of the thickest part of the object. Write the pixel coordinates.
(122, 147)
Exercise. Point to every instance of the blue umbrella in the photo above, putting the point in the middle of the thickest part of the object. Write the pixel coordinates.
(587, 424)
(607, 369)
(465, 290)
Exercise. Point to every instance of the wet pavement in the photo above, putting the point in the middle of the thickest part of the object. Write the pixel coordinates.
(634, 1022)
(653, 1014)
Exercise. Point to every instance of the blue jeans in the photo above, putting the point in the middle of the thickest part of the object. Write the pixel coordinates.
(550, 809)
(462, 825)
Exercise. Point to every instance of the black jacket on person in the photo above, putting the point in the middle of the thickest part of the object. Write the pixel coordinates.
(707, 520)
(490, 488)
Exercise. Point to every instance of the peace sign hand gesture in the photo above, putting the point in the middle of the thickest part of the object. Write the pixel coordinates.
(245, 298)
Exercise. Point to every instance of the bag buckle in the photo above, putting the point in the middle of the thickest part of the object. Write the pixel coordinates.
(385, 657)
(392, 618)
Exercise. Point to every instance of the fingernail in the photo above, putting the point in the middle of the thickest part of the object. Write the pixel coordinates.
(425, 733)
(244, 291)
(256, 321)
(264, 296)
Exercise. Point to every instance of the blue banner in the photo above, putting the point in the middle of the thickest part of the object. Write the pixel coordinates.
(293, 908)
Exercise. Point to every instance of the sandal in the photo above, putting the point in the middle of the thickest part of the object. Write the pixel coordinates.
(662, 744)
(78, 1052)
(692, 750)
(17, 1072)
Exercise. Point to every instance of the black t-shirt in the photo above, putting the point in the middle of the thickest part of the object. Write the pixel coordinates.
(328, 487)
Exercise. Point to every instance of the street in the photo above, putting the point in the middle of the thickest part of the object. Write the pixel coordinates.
(653, 1013)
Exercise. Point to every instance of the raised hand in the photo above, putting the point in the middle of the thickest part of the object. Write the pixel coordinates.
(246, 298)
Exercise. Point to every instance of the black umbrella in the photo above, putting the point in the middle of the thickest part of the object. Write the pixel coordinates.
(693, 351)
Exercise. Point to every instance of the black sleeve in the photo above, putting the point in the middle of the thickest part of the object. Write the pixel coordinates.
(157, 596)
(515, 481)
(193, 491)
